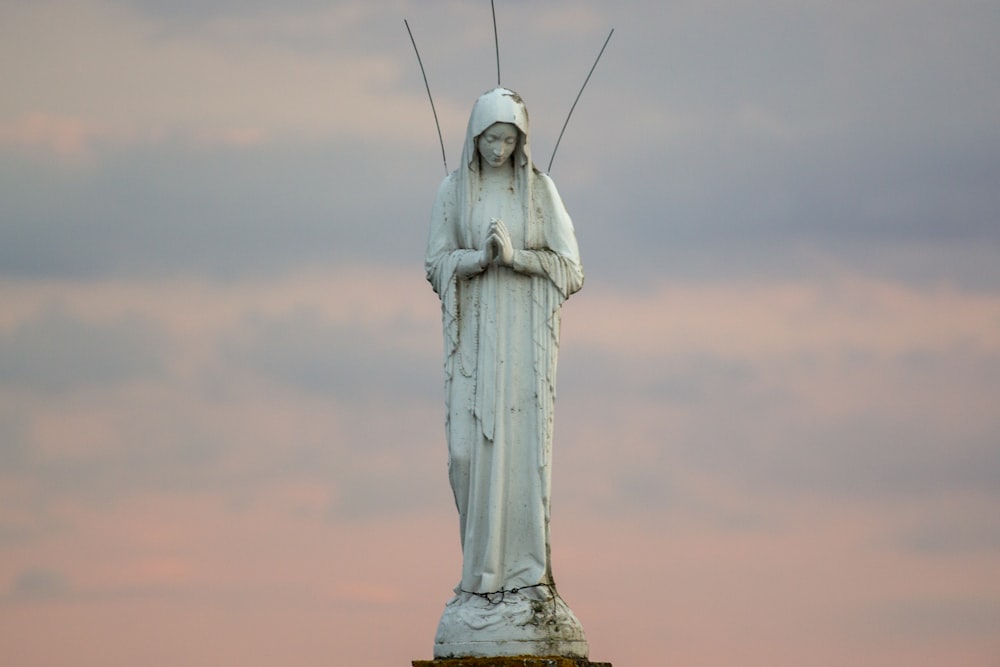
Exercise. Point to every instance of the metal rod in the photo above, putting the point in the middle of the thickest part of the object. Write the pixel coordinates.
(570, 114)
(428, 87)
(496, 39)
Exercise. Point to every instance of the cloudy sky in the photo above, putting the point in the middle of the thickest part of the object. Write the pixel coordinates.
(221, 402)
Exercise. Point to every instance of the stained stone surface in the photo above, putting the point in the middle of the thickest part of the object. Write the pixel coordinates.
(517, 626)
(511, 661)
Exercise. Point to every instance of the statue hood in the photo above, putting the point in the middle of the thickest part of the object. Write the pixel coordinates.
(499, 105)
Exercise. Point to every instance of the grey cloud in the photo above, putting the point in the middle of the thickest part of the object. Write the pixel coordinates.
(975, 531)
(13, 451)
(195, 10)
(933, 616)
(754, 137)
(392, 394)
(197, 435)
(726, 141)
(39, 584)
(226, 213)
(698, 205)
(877, 456)
(163, 452)
(57, 352)
(742, 421)
(413, 488)
(346, 360)
(592, 372)
(374, 461)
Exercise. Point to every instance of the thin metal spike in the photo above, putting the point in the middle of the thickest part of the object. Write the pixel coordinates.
(496, 39)
(428, 87)
(570, 114)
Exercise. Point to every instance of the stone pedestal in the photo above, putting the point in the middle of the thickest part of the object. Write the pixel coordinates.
(511, 661)
(517, 624)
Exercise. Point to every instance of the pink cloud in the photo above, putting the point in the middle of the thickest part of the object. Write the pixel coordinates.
(209, 515)
(66, 137)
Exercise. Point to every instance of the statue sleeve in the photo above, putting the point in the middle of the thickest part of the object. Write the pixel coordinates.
(446, 260)
(555, 255)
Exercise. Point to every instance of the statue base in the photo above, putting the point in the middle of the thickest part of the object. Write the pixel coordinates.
(519, 624)
(511, 661)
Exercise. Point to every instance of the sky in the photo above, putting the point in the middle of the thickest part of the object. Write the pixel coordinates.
(777, 435)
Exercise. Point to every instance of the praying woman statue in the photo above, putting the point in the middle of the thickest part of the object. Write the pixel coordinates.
(502, 257)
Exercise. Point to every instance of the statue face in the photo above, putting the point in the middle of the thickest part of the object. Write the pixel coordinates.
(497, 143)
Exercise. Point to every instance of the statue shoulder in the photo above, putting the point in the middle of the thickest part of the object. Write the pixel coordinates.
(447, 194)
(449, 185)
(542, 184)
(545, 194)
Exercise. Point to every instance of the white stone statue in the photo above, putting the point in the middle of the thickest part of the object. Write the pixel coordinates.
(502, 256)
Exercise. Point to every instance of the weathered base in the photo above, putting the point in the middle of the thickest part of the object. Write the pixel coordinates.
(537, 622)
(511, 661)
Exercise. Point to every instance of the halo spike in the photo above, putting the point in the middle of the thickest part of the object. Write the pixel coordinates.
(428, 87)
(593, 67)
(496, 39)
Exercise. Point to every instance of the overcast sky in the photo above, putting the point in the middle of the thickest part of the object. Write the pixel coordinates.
(221, 399)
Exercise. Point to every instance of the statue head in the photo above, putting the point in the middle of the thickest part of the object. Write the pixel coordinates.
(497, 143)
(499, 105)
(499, 115)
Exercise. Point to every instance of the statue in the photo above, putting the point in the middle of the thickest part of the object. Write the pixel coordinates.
(502, 257)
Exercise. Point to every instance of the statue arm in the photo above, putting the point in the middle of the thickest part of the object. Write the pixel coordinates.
(533, 262)
(559, 258)
(563, 271)
(538, 262)
(446, 259)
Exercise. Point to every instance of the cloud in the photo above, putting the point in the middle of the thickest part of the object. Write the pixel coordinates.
(57, 352)
(351, 362)
(758, 433)
(39, 585)
(226, 211)
(234, 140)
(107, 66)
(967, 528)
(291, 377)
(219, 360)
(195, 12)
(843, 390)
(66, 137)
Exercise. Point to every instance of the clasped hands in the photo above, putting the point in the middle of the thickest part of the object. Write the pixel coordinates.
(498, 249)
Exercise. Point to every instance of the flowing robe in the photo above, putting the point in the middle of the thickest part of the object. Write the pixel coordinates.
(501, 336)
